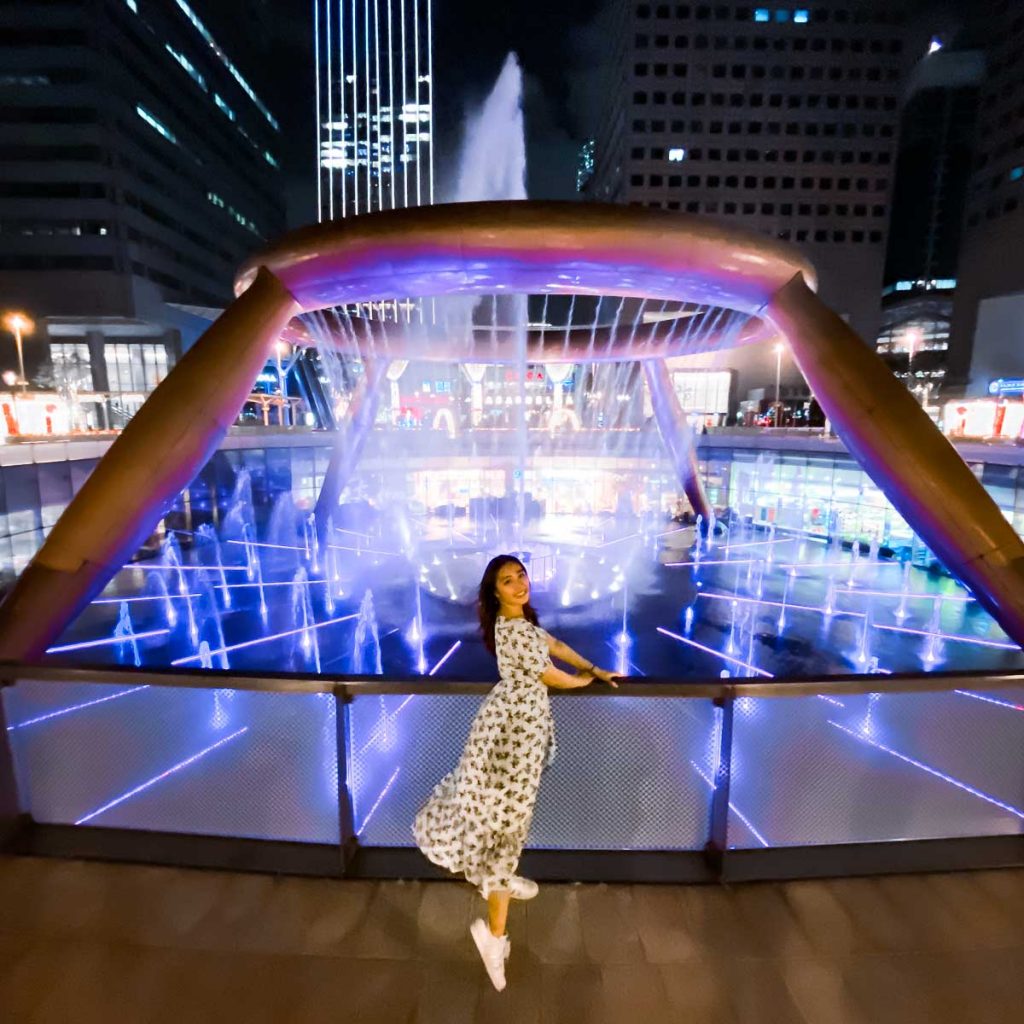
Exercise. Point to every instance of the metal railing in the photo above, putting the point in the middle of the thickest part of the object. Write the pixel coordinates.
(660, 780)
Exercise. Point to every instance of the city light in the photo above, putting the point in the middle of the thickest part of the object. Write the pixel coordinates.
(19, 325)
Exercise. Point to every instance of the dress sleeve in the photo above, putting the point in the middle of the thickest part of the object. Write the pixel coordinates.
(520, 647)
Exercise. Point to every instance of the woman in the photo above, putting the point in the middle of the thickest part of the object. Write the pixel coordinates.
(476, 820)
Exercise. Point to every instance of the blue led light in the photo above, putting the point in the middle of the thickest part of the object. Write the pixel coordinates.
(931, 771)
(990, 700)
(451, 650)
(732, 807)
(159, 778)
(762, 14)
(265, 639)
(717, 654)
(106, 641)
(801, 16)
(376, 803)
(74, 707)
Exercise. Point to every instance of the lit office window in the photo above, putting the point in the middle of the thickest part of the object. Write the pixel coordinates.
(801, 16)
(223, 106)
(71, 365)
(782, 15)
(132, 6)
(235, 73)
(762, 14)
(135, 367)
(155, 124)
(188, 66)
(676, 155)
(269, 157)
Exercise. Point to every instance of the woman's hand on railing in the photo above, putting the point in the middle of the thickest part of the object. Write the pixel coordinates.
(605, 676)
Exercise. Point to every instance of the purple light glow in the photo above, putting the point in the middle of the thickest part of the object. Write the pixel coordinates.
(377, 733)
(777, 604)
(717, 654)
(267, 639)
(732, 807)
(830, 700)
(365, 551)
(931, 771)
(376, 803)
(264, 544)
(185, 568)
(718, 561)
(74, 707)
(909, 596)
(990, 700)
(950, 636)
(155, 597)
(163, 775)
(107, 641)
(451, 650)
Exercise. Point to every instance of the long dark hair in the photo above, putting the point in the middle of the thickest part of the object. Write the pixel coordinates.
(488, 603)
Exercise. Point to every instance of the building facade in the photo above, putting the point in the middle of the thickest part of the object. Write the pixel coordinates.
(933, 167)
(781, 118)
(140, 166)
(987, 338)
(374, 100)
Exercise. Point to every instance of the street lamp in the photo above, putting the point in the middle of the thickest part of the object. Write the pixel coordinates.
(778, 379)
(19, 324)
(912, 338)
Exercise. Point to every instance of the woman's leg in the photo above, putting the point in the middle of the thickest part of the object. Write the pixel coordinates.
(497, 912)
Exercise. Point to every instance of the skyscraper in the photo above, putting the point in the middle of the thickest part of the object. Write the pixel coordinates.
(987, 338)
(781, 118)
(139, 166)
(374, 101)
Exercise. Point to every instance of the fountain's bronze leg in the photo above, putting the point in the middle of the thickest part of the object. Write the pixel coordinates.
(892, 438)
(676, 434)
(159, 452)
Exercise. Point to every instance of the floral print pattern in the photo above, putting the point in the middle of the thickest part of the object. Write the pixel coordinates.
(478, 816)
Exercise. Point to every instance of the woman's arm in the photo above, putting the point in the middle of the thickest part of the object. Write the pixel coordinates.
(559, 680)
(563, 652)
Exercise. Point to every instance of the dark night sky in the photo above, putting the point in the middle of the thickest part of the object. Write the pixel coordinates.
(471, 39)
(558, 47)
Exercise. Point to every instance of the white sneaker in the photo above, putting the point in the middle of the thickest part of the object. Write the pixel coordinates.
(522, 888)
(493, 951)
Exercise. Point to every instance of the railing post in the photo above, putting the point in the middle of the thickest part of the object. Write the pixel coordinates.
(347, 838)
(718, 825)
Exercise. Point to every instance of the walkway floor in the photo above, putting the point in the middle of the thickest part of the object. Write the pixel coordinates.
(83, 942)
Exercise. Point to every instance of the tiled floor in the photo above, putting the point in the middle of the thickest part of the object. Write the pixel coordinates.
(83, 942)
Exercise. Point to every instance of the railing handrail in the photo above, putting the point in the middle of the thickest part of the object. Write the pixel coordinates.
(353, 686)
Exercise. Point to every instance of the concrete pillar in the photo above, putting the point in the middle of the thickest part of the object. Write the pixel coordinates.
(676, 434)
(157, 454)
(906, 455)
(98, 360)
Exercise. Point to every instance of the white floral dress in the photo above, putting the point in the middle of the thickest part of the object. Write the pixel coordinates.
(478, 816)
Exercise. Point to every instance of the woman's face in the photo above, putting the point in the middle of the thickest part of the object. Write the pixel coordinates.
(512, 585)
